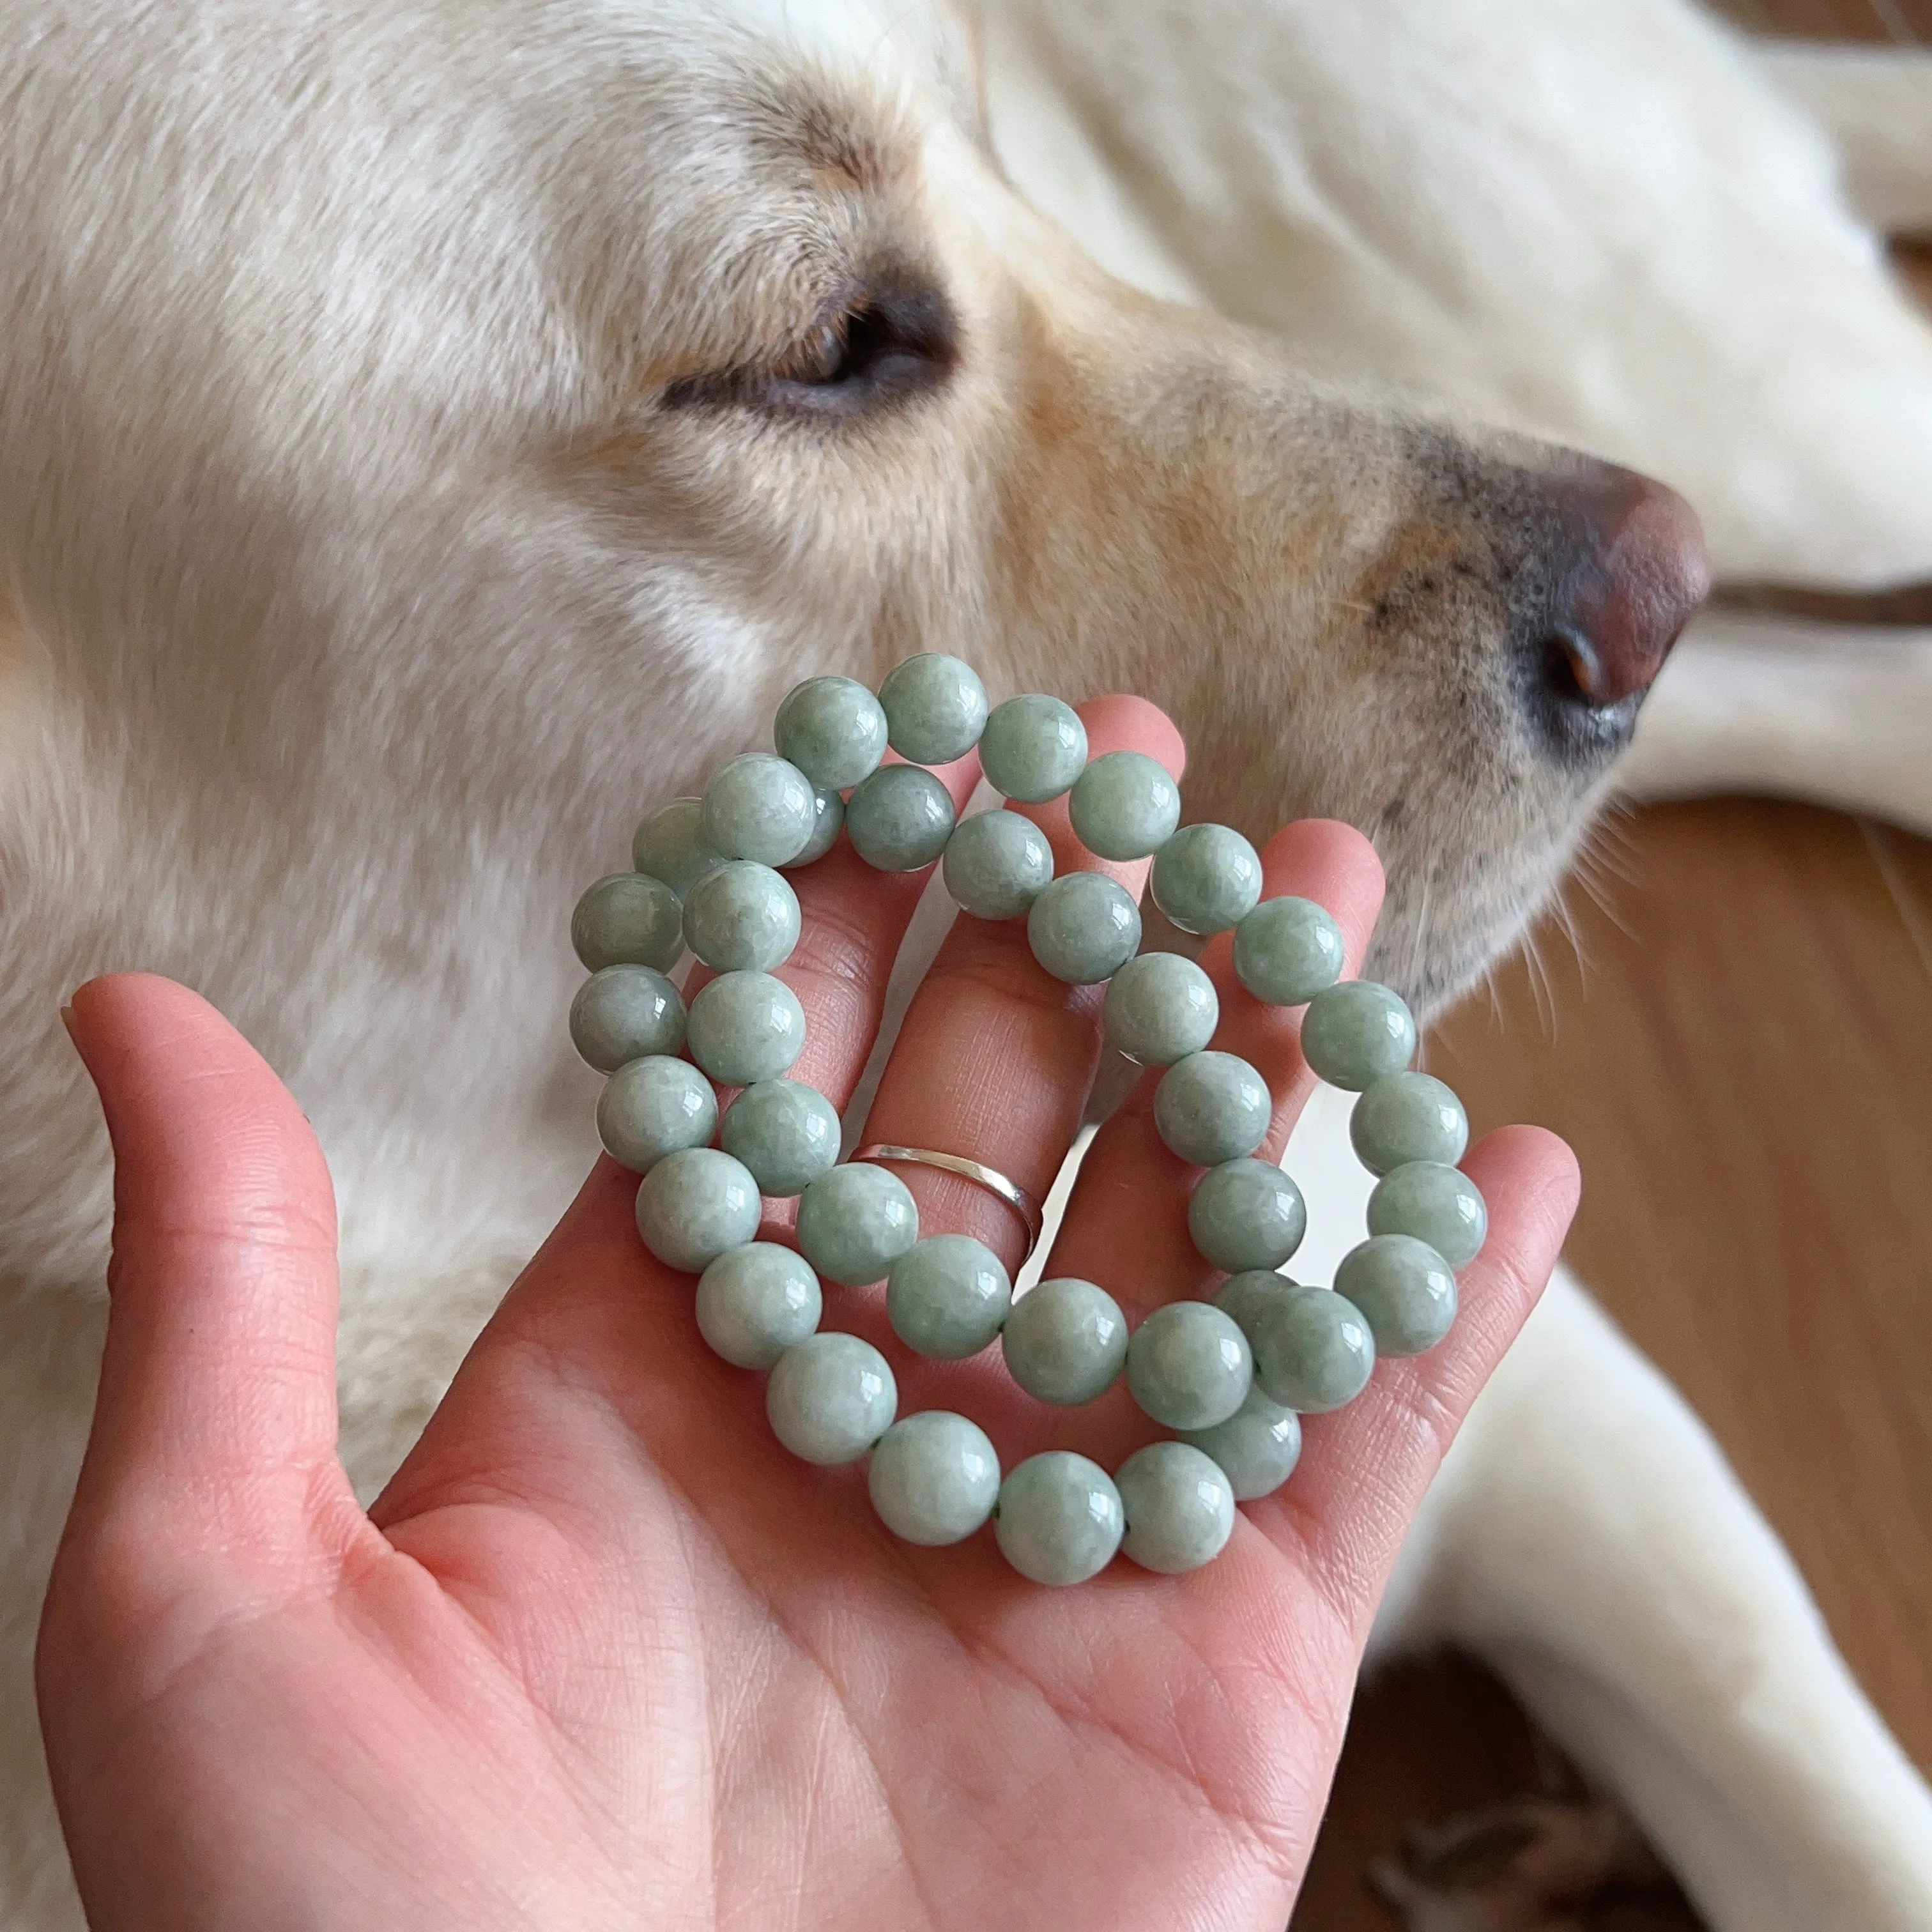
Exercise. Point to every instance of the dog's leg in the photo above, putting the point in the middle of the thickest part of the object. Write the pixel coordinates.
(1451, 195)
(1838, 714)
(1876, 103)
(1587, 1538)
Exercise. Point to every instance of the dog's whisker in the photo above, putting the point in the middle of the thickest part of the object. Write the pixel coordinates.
(1565, 915)
(1607, 855)
(1542, 991)
(1611, 843)
(1601, 896)
(1418, 949)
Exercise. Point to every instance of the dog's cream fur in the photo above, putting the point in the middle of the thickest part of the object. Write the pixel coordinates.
(393, 502)
(1600, 220)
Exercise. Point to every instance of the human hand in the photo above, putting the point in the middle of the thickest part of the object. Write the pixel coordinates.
(603, 1654)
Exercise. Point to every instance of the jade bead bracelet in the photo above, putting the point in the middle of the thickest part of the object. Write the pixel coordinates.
(1231, 1377)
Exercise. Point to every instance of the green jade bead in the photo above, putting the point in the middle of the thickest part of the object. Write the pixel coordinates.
(785, 1133)
(833, 729)
(1124, 805)
(947, 1297)
(1246, 1214)
(1189, 1365)
(900, 818)
(829, 820)
(935, 708)
(1160, 1008)
(628, 919)
(742, 918)
(1065, 1342)
(623, 1013)
(670, 845)
(1059, 1518)
(1314, 1350)
(934, 1477)
(1356, 1034)
(744, 1027)
(1408, 1116)
(1249, 1297)
(997, 864)
(1207, 878)
(695, 1204)
(1178, 1506)
(654, 1107)
(1287, 950)
(755, 1302)
(1435, 1203)
(1032, 747)
(760, 808)
(1083, 927)
(830, 1398)
(1211, 1107)
(855, 1222)
(1257, 1446)
(1406, 1290)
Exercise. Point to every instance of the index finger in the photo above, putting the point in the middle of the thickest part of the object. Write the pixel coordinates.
(997, 1057)
(853, 920)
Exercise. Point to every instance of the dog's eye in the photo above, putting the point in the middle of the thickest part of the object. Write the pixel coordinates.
(892, 341)
(827, 357)
(889, 343)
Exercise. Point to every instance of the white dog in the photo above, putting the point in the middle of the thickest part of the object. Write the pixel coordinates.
(430, 434)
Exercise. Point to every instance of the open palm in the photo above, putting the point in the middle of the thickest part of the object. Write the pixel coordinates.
(603, 1654)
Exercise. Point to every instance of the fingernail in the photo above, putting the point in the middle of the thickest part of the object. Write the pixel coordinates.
(67, 1021)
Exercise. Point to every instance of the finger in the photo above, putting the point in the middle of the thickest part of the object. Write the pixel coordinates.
(1364, 1468)
(853, 919)
(996, 1057)
(1335, 865)
(217, 1385)
(1125, 1226)
(581, 1291)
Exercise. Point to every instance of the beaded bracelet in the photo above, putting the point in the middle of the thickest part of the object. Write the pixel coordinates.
(1232, 1377)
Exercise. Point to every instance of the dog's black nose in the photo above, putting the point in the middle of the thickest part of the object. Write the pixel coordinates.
(1630, 570)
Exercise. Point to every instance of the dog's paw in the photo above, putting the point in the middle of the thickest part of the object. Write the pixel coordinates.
(1533, 1864)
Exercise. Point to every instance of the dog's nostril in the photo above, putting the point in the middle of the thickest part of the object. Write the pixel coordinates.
(1636, 570)
(1570, 671)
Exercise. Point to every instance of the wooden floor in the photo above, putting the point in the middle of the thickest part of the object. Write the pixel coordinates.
(1737, 1041)
(1733, 1027)
(1743, 1061)
(1906, 21)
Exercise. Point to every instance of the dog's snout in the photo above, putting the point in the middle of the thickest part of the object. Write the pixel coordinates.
(1633, 570)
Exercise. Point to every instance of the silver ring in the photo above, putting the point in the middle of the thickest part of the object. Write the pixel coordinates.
(1011, 1192)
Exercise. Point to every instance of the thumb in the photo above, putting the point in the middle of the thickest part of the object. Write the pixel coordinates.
(217, 1385)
